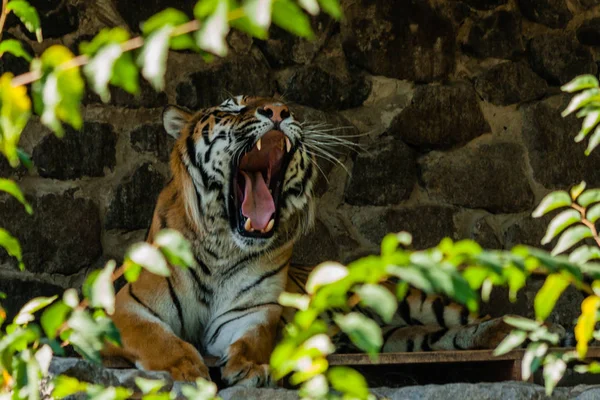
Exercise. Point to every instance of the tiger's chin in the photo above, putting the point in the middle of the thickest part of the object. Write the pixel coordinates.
(256, 189)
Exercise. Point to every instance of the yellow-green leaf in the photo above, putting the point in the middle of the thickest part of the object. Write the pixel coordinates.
(15, 48)
(548, 295)
(551, 202)
(580, 83)
(28, 16)
(559, 223)
(10, 187)
(510, 342)
(287, 15)
(15, 109)
(594, 141)
(585, 324)
(349, 381)
(332, 7)
(593, 213)
(12, 247)
(581, 100)
(570, 237)
(577, 189)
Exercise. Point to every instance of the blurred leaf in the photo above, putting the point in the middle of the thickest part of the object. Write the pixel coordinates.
(204, 8)
(401, 290)
(516, 280)
(148, 257)
(168, 17)
(87, 335)
(153, 57)
(314, 388)
(585, 323)
(378, 298)
(554, 369)
(13, 189)
(28, 16)
(149, 385)
(325, 274)
(389, 244)
(125, 74)
(203, 390)
(588, 197)
(551, 202)
(176, 248)
(12, 247)
(299, 301)
(308, 370)
(132, 271)
(594, 141)
(66, 386)
(105, 37)
(363, 331)
(570, 237)
(580, 83)
(287, 15)
(53, 317)
(583, 254)
(15, 109)
(24, 158)
(321, 343)
(212, 34)
(591, 120)
(25, 314)
(331, 7)
(593, 213)
(259, 12)
(100, 69)
(71, 298)
(543, 334)
(532, 359)
(348, 381)
(58, 94)
(510, 342)
(521, 323)
(15, 48)
(413, 275)
(475, 275)
(102, 292)
(245, 25)
(577, 190)
(548, 295)
(592, 368)
(581, 100)
(311, 6)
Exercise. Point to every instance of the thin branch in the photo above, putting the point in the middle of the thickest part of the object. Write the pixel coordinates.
(3, 16)
(587, 222)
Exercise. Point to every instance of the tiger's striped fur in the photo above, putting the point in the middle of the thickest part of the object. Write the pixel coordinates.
(227, 306)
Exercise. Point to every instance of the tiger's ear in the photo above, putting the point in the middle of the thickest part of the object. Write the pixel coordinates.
(174, 119)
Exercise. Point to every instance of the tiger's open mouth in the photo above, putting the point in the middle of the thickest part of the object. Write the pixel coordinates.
(257, 183)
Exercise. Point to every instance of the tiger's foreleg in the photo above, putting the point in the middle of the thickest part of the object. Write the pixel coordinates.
(151, 344)
(246, 361)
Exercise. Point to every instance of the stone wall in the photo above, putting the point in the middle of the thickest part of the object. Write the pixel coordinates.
(457, 104)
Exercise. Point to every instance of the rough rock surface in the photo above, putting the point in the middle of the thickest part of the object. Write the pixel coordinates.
(492, 177)
(497, 35)
(440, 116)
(152, 138)
(510, 82)
(589, 32)
(552, 13)
(90, 151)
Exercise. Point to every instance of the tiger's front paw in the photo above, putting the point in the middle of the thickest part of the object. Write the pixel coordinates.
(185, 369)
(247, 374)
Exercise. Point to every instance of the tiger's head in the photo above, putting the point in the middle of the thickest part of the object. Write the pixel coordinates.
(246, 172)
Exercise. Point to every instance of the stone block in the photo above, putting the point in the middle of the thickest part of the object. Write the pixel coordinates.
(497, 35)
(552, 13)
(510, 83)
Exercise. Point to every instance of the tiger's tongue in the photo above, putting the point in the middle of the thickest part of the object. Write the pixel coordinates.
(258, 204)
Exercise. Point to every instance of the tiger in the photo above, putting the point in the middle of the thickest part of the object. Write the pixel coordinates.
(242, 193)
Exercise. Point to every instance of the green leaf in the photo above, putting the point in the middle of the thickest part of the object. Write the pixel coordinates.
(168, 17)
(583, 254)
(58, 94)
(66, 386)
(594, 141)
(593, 213)
(15, 48)
(581, 100)
(314, 388)
(100, 69)
(204, 8)
(571, 236)
(576, 190)
(592, 118)
(243, 24)
(348, 381)
(12, 247)
(402, 290)
(548, 295)
(28, 16)
(149, 385)
(532, 359)
(560, 223)
(25, 314)
(311, 6)
(331, 7)
(524, 324)
(148, 257)
(413, 275)
(71, 298)
(214, 30)
(298, 301)
(325, 274)
(132, 271)
(588, 197)
(287, 15)
(15, 109)
(176, 248)
(552, 201)
(105, 37)
(580, 83)
(102, 292)
(554, 370)
(53, 317)
(362, 331)
(125, 74)
(592, 368)
(153, 58)
(13, 189)
(203, 390)
(259, 12)
(510, 342)
(378, 298)
(584, 329)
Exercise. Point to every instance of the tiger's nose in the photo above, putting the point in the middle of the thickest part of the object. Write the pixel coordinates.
(275, 112)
